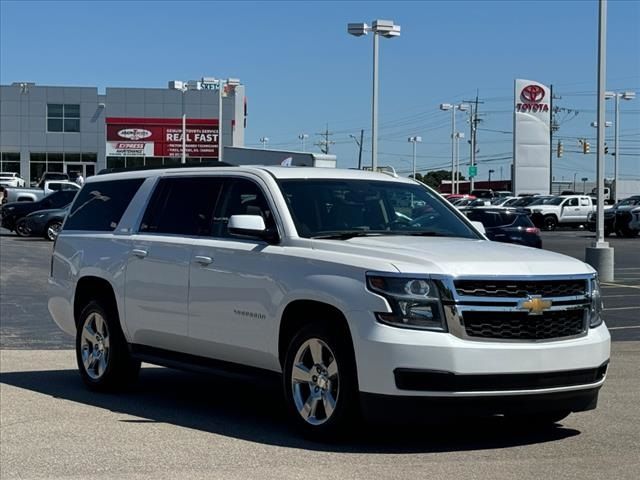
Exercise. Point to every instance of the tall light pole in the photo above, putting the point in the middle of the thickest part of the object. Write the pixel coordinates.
(264, 141)
(414, 140)
(303, 137)
(600, 256)
(453, 108)
(616, 146)
(182, 87)
(458, 136)
(387, 29)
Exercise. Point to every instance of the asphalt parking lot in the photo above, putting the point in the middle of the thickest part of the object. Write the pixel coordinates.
(178, 425)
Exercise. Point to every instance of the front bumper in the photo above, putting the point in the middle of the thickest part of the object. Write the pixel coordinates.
(412, 409)
(381, 350)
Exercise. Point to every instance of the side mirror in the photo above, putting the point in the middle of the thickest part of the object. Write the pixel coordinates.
(251, 226)
(479, 226)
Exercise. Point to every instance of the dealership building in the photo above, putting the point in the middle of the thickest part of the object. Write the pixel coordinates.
(81, 131)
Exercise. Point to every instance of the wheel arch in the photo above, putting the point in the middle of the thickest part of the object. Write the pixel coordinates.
(94, 288)
(301, 312)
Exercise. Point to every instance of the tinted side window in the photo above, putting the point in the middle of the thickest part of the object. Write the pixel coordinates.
(60, 199)
(100, 205)
(182, 206)
(242, 197)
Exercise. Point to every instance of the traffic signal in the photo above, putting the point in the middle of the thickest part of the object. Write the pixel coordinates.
(606, 149)
(560, 149)
(586, 148)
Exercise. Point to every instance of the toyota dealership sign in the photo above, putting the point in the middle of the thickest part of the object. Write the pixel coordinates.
(161, 137)
(531, 137)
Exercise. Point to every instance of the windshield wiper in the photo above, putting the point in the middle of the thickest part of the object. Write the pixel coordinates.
(346, 235)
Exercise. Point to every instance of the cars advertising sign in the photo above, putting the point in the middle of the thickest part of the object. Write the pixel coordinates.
(161, 137)
(531, 140)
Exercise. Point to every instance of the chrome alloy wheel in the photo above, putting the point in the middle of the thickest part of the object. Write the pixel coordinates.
(53, 230)
(94, 344)
(315, 381)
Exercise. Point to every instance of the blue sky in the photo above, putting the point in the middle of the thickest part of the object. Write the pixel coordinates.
(302, 71)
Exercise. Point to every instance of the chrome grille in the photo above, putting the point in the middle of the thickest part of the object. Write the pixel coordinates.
(520, 289)
(522, 326)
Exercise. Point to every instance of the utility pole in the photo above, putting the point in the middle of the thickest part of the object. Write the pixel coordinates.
(325, 143)
(473, 134)
(554, 127)
(359, 143)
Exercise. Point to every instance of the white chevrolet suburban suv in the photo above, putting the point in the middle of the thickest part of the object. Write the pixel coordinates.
(365, 293)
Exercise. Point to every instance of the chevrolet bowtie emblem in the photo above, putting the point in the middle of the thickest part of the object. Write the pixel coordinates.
(535, 305)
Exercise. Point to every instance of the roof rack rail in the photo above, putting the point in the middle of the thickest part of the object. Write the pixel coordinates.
(386, 169)
(104, 171)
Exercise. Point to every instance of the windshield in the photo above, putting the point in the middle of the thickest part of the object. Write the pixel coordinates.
(542, 201)
(346, 208)
(629, 201)
(556, 201)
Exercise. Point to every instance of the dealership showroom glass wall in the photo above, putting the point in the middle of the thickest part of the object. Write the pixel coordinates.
(65, 129)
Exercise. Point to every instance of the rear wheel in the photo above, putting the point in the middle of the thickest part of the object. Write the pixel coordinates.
(52, 230)
(101, 349)
(320, 382)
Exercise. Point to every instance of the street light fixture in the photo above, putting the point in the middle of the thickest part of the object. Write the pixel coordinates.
(454, 137)
(617, 96)
(414, 140)
(264, 141)
(303, 137)
(387, 29)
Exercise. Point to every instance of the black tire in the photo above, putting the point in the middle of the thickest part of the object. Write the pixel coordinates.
(21, 229)
(538, 420)
(120, 369)
(346, 410)
(549, 223)
(50, 231)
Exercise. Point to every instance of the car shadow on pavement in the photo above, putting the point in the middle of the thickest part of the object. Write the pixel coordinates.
(254, 411)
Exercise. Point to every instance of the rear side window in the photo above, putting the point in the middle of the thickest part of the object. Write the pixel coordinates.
(100, 205)
(182, 206)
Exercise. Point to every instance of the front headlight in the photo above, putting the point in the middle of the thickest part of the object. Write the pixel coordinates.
(595, 310)
(414, 302)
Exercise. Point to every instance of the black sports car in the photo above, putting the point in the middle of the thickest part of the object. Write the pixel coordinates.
(46, 223)
(14, 211)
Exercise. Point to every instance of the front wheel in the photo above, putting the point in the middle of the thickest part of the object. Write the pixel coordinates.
(320, 383)
(21, 229)
(550, 223)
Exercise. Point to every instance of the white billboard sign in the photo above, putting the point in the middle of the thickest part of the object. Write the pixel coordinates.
(129, 149)
(531, 137)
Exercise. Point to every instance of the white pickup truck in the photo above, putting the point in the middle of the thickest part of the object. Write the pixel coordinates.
(334, 281)
(35, 194)
(570, 210)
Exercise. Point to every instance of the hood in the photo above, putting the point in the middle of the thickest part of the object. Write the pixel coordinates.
(457, 256)
(50, 211)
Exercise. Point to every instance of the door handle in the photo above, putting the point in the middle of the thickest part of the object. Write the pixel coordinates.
(203, 260)
(139, 252)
